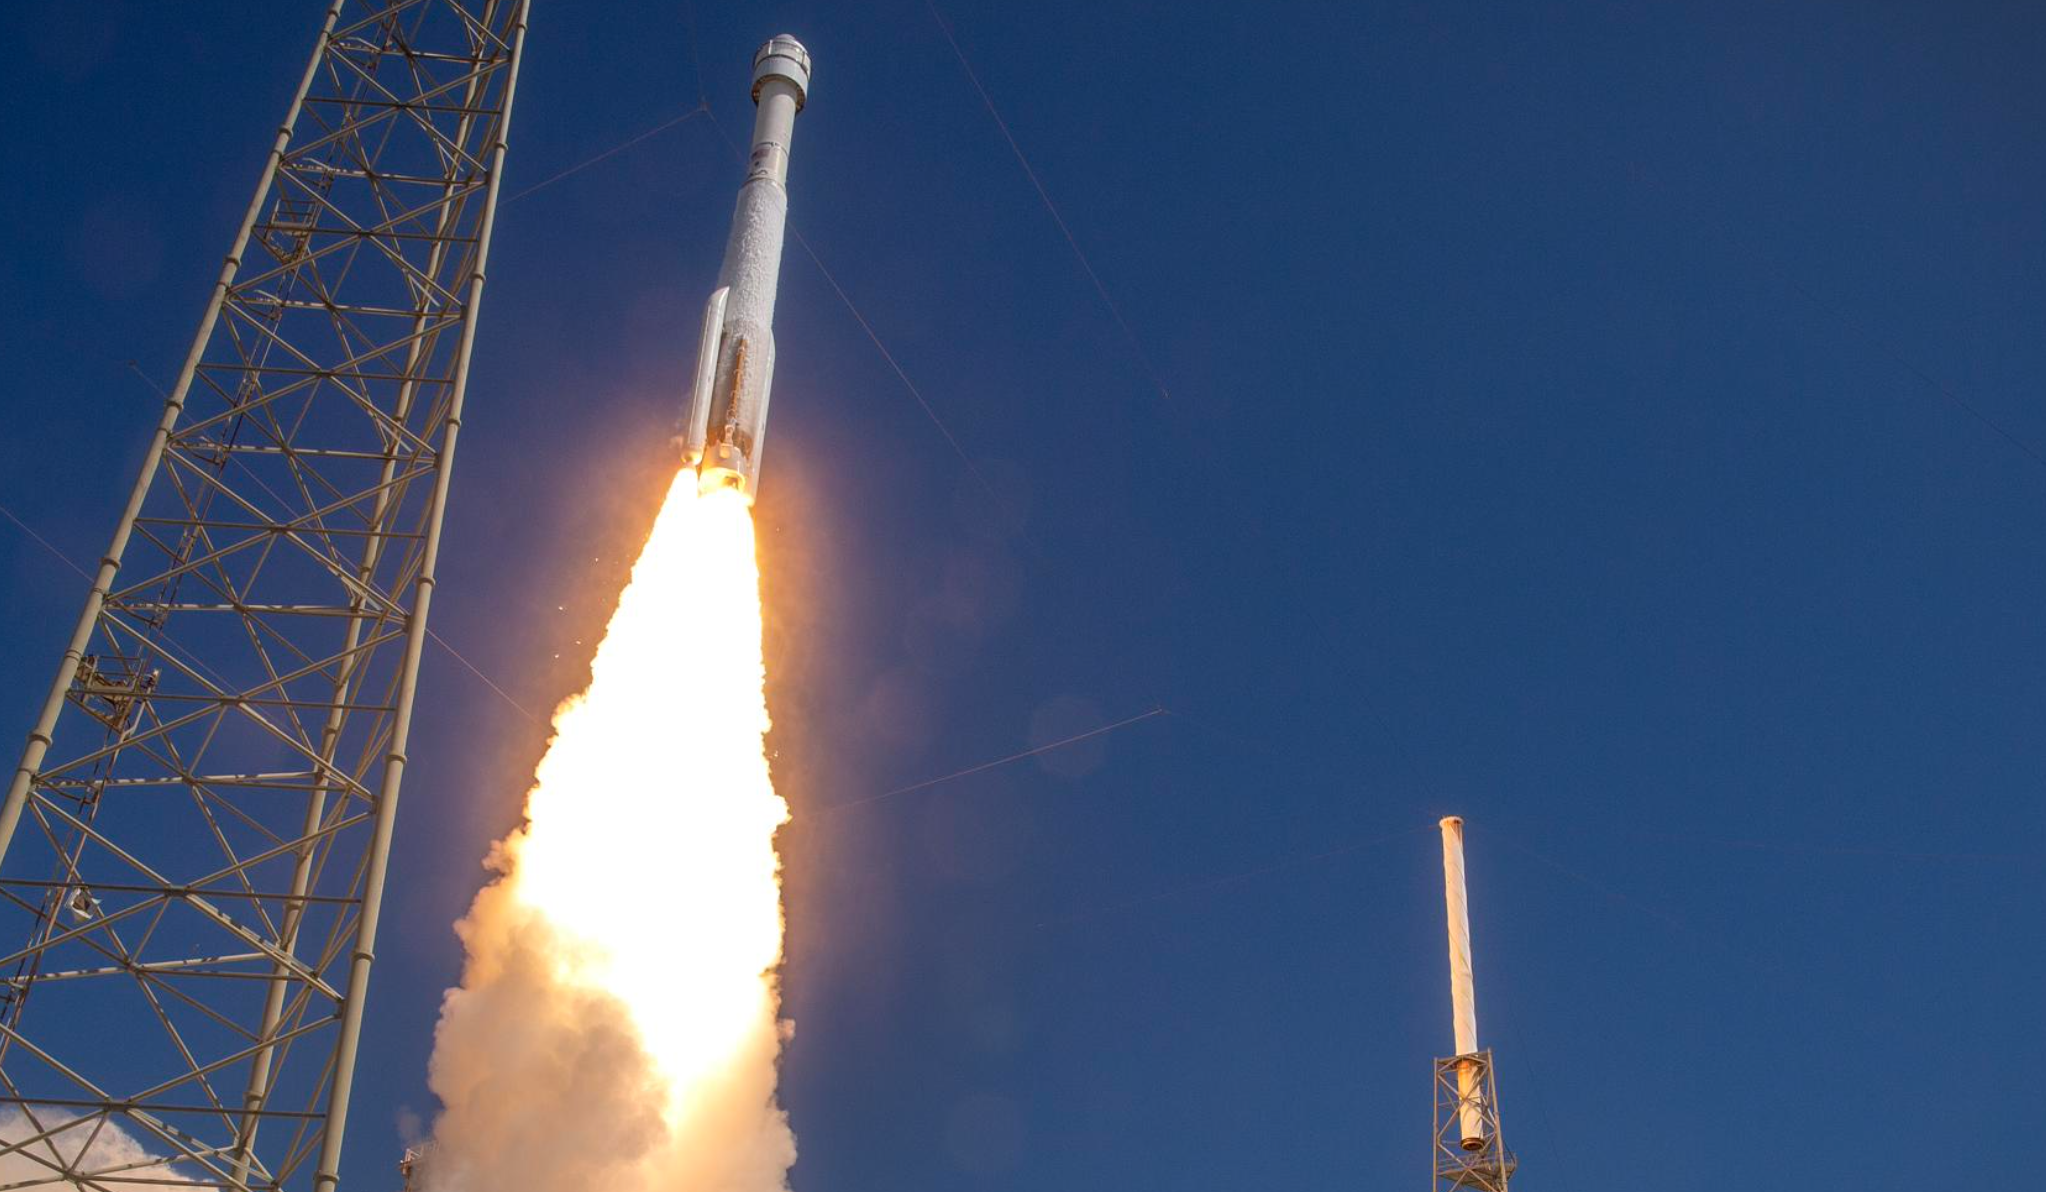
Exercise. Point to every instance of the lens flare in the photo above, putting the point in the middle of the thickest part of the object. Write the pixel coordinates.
(618, 1021)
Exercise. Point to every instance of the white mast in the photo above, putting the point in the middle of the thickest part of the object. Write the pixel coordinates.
(1462, 997)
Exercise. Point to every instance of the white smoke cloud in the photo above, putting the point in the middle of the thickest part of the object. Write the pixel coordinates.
(76, 1149)
(548, 1088)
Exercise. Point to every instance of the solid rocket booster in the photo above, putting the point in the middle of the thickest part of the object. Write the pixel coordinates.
(727, 421)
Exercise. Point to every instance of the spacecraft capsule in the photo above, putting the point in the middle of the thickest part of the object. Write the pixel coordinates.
(727, 420)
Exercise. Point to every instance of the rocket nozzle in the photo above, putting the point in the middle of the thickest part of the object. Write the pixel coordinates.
(714, 478)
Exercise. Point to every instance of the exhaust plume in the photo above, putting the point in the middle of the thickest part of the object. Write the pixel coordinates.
(617, 1026)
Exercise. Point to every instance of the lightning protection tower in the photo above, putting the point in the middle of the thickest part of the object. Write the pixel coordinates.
(1468, 1148)
(193, 848)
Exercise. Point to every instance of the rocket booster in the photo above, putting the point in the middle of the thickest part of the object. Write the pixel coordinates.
(727, 421)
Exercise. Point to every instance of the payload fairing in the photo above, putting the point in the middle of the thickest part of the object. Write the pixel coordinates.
(727, 420)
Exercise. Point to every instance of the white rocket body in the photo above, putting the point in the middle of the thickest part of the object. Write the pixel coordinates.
(1462, 996)
(727, 423)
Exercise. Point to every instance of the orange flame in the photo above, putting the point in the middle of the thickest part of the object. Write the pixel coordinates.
(640, 902)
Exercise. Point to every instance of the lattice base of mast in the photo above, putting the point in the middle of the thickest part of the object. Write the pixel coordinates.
(1465, 1091)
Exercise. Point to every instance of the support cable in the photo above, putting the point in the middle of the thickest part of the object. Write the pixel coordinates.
(867, 327)
(1075, 739)
(1072, 241)
(1292, 861)
(700, 109)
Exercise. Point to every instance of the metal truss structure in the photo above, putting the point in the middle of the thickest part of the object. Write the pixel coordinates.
(193, 849)
(1465, 1082)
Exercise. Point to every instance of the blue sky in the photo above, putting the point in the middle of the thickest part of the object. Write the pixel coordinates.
(1617, 424)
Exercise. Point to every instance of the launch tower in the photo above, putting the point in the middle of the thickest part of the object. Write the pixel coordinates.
(193, 846)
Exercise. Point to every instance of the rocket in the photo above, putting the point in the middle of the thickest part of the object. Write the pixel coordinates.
(727, 420)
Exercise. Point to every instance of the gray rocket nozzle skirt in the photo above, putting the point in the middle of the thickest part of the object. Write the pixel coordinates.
(735, 357)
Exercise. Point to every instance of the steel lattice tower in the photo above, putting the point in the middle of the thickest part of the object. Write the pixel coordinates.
(193, 849)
